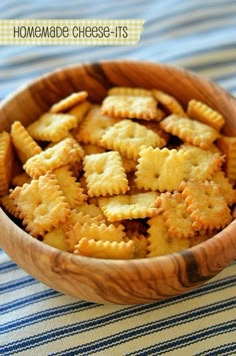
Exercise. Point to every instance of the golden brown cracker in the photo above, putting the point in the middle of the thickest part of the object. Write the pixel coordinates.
(69, 102)
(6, 162)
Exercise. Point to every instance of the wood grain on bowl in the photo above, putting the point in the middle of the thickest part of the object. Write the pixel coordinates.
(117, 281)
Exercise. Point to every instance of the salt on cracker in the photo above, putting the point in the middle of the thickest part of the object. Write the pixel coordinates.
(130, 106)
(105, 174)
(202, 112)
(128, 137)
(166, 169)
(190, 131)
(105, 249)
(40, 204)
(129, 206)
(68, 102)
(24, 144)
(52, 126)
(207, 206)
(6, 162)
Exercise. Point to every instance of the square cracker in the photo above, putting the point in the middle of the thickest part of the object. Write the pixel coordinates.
(190, 131)
(105, 174)
(40, 204)
(166, 169)
(127, 137)
(6, 162)
(206, 204)
(134, 206)
(130, 106)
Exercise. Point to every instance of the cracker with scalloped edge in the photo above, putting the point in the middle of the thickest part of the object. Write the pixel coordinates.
(40, 204)
(228, 146)
(227, 188)
(130, 106)
(94, 125)
(6, 162)
(202, 164)
(69, 102)
(90, 149)
(202, 112)
(105, 249)
(52, 126)
(127, 137)
(140, 245)
(175, 214)
(134, 206)
(166, 169)
(23, 142)
(160, 242)
(105, 174)
(170, 103)
(56, 238)
(129, 91)
(71, 188)
(62, 153)
(190, 131)
(8, 205)
(206, 204)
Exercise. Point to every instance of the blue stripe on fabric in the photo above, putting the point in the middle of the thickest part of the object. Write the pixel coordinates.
(8, 266)
(51, 313)
(28, 300)
(150, 328)
(131, 334)
(17, 284)
(46, 315)
(185, 340)
(228, 349)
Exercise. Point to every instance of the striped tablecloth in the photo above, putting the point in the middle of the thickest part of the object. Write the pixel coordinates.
(35, 320)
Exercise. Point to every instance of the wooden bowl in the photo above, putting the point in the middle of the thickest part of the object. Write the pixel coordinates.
(117, 281)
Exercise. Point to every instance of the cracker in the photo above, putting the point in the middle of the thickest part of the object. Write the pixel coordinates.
(8, 205)
(190, 131)
(68, 102)
(129, 91)
(207, 206)
(80, 111)
(170, 103)
(62, 153)
(52, 126)
(90, 209)
(90, 149)
(93, 126)
(56, 238)
(6, 162)
(40, 204)
(130, 106)
(71, 189)
(175, 214)
(105, 249)
(24, 144)
(228, 146)
(166, 169)
(127, 137)
(105, 174)
(140, 246)
(227, 188)
(202, 164)
(134, 206)
(202, 112)
(160, 242)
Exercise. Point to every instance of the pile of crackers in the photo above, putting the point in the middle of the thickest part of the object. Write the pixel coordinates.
(136, 176)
